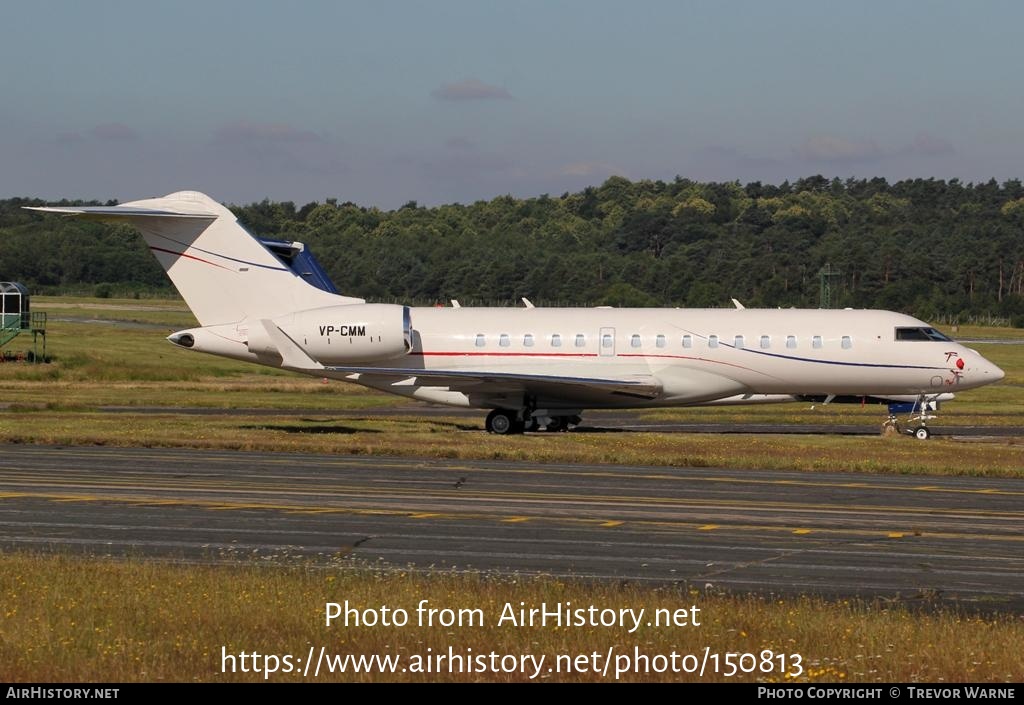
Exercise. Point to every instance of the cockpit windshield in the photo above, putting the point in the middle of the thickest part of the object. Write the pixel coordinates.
(925, 334)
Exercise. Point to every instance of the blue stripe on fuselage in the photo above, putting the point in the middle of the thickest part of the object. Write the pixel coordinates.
(834, 362)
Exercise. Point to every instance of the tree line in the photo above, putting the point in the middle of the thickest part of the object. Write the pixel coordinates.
(929, 247)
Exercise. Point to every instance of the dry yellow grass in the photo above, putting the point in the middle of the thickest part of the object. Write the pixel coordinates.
(73, 619)
(463, 439)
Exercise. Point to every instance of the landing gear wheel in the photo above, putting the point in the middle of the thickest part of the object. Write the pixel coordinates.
(917, 424)
(503, 422)
(530, 424)
(556, 424)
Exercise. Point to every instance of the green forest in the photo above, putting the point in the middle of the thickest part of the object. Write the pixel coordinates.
(940, 250)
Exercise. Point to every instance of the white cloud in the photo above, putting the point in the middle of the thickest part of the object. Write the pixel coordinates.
(588, 169)
(828, 148)
(470, 89)
(114, 132)
(929, 146)
(244, 131)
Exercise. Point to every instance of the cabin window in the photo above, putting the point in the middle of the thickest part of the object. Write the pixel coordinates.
(816, 341)
(660, 341)
(581, 340)
(481, 340)
(791, 342)
(766, 342)
(634, 342)
(528, 340)
(847, 342)
(556, 340)
(738, 342)
(606, 340)
(503, 340)
(923, 334)
(687, 341)
(712, 341)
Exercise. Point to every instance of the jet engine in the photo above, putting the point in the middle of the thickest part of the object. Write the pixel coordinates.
(339, 335)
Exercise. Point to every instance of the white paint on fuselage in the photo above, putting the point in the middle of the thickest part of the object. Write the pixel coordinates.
(649, 343)
(874, 363)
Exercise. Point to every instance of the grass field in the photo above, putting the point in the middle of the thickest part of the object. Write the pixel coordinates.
(116, 621)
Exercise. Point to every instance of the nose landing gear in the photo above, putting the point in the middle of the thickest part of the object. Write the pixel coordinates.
(916, 424)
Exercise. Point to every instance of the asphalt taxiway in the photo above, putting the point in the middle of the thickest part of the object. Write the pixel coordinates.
(912, 538)
(624, 420)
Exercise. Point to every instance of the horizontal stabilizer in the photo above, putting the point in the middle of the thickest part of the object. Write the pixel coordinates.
(107, 212)
(224, 273)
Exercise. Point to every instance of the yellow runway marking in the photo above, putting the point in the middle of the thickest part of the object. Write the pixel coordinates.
(515, 520)
(425, 494)
(612, 524)
(565, 521)
(157, 503)
(801, 532)
(288, 461)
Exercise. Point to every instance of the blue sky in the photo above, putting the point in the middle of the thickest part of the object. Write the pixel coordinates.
(384, 102)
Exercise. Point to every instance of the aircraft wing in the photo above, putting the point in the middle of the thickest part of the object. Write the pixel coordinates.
(643, 387)
(548, 386)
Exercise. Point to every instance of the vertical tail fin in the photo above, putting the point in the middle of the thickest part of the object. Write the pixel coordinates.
(224, 274)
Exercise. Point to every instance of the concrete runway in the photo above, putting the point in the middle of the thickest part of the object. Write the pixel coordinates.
(916, 539)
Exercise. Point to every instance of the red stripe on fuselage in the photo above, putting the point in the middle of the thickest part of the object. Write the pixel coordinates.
(576, 355)
(182, 254)
(501, 354)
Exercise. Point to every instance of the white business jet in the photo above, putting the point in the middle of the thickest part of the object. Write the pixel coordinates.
(270, 303)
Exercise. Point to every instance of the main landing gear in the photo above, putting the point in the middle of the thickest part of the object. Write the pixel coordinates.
(505, 422)
(917, 422)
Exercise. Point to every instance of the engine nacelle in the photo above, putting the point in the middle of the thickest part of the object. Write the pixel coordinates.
(347, 334)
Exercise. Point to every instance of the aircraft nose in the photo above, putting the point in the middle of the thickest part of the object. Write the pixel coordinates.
(989, 371)
(995, 372)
